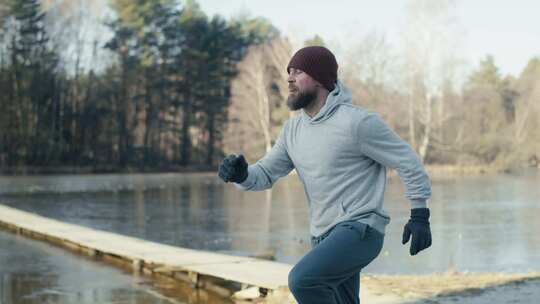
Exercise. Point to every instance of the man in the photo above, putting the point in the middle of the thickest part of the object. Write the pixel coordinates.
(341, 153)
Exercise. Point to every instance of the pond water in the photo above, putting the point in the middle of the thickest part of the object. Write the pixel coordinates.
(33, 272)
(479, 223)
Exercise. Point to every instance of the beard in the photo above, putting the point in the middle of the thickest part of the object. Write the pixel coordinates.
(302, 100)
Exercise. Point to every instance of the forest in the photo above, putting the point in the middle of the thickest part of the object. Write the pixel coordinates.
(158, 85)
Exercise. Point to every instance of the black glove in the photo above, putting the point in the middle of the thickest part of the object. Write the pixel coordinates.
(233, 169)
(418, 226)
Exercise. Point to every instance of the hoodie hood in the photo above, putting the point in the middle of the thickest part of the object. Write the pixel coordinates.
(339, 96)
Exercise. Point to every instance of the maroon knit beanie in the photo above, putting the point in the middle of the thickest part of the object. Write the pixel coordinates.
(318, 62)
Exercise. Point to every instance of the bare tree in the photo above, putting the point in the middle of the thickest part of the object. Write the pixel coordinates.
(429, 46)
(258, 90)
(371, 60)
(370, 70)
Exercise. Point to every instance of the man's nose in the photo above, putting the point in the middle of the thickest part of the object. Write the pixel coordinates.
(290, 78)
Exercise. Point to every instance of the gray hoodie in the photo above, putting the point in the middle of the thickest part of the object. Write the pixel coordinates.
(341, 156)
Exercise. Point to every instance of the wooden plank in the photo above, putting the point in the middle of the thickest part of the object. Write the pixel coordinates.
(244, 270)
(261, 273)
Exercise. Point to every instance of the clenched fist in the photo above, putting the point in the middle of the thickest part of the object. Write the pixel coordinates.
(233, 169)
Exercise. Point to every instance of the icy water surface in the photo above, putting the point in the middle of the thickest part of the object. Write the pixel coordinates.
(482, 223)
(34, 272)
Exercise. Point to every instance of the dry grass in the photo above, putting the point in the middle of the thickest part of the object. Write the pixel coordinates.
(424, 286)
(402, 288)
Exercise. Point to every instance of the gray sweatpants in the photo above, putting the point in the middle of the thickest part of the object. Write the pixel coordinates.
(330, 272)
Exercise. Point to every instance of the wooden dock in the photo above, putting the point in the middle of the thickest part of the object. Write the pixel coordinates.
(225, 274)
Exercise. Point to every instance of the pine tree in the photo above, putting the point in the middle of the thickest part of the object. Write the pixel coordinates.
(32, 78)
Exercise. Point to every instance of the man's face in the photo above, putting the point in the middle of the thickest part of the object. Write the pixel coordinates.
(302, 89)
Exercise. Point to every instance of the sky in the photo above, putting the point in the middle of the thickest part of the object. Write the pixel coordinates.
(508, 30)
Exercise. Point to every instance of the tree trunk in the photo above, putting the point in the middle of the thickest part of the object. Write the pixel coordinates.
(185, 137)
(122, 113)
(211, 139)
(423, 150)
(412, 133)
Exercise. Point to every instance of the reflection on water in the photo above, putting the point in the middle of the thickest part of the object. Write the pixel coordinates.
(33, 272)
(483, 223)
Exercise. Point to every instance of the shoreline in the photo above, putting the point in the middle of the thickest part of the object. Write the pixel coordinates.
(432, 169)
(80, 170)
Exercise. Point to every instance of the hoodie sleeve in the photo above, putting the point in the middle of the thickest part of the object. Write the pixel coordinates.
(379, 142)
(275, 164)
